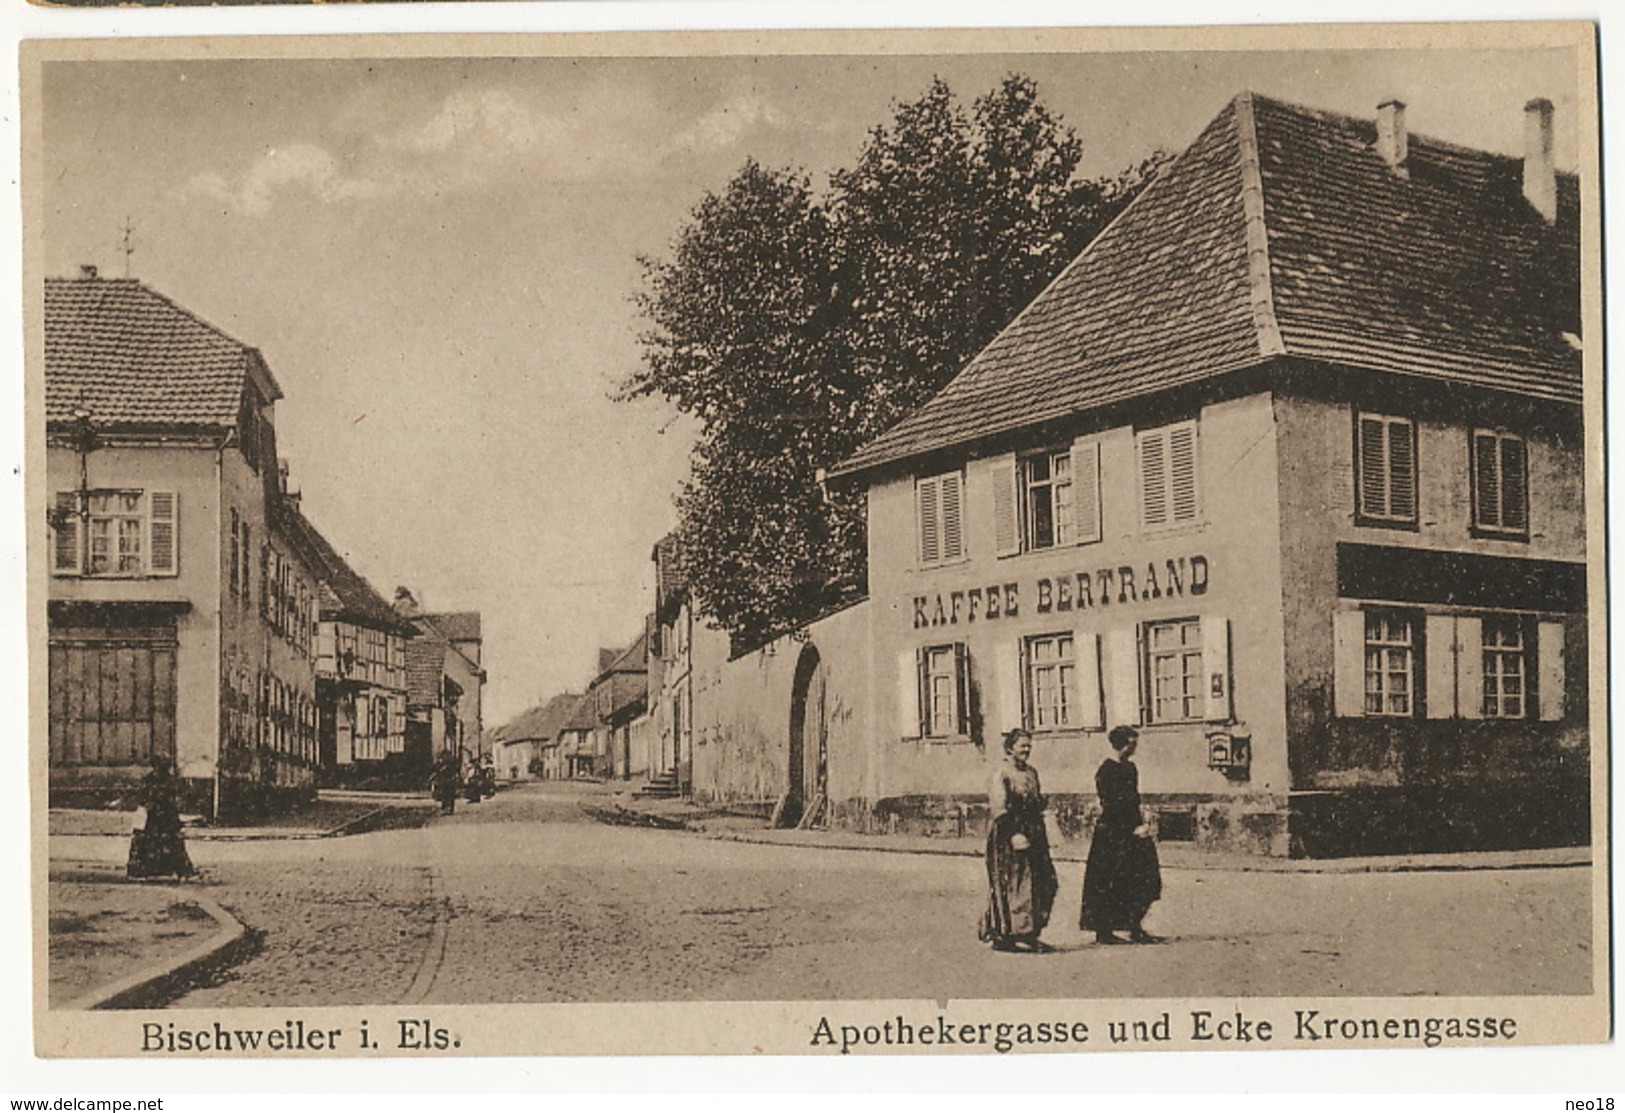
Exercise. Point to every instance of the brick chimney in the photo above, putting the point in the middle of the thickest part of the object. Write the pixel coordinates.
(1539, 173)
(1393, 144)
(88, 270)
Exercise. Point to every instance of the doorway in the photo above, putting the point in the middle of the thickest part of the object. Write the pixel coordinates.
(806, 799)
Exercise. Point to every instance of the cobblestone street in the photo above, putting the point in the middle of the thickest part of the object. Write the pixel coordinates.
(523, 898)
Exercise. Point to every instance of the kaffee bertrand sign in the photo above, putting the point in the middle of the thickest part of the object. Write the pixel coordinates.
(1078, 591)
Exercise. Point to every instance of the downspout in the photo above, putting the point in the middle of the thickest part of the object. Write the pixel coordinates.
(219, 619)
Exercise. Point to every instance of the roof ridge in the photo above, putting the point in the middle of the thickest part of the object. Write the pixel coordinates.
(1260, 292)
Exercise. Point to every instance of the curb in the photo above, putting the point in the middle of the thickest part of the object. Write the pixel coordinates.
(154, 984)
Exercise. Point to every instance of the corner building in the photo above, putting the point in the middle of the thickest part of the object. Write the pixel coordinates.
(1286, 469)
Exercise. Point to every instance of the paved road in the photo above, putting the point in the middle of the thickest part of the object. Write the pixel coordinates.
(522, 898)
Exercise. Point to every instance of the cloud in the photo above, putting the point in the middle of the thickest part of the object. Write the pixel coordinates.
(725, 125)
(299, 166)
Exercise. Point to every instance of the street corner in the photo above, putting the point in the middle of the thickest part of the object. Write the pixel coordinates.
(118, 943)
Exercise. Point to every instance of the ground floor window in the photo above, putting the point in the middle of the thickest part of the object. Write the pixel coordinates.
(1390, 661)
(1174, 670)
(1049, 680)
(1505, 673)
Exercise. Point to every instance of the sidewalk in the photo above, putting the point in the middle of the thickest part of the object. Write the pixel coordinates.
(625, 809)
(332, 814)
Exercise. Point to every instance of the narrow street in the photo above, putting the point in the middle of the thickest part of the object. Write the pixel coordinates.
(523, 898)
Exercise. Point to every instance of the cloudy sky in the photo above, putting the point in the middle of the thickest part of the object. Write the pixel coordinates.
(437, 257)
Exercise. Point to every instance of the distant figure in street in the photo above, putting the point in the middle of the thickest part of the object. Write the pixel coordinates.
(443, 782)
(1122, 878)
(157, 847)
(1021, 881)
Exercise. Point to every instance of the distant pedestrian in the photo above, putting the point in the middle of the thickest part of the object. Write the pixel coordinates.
(443, 782)
(157, 846)
(1021, 880)
(1123, 877)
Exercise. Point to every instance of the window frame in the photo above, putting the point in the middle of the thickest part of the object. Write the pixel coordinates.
(1492, 706)
(1385, 518)
(129, 534)
(1475, 466)
(957, 678)
(1412, 646)
(1184, 652)
(1069, 711)
(1063, 529)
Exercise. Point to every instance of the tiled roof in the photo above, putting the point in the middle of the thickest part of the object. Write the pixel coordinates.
(131, 356)
(345, 592)
(671, 585)
(458, 626)
(1281, 232)
(540, 723)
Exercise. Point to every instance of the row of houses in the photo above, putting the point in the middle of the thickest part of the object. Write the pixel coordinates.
(1286, 469)
(195, 612)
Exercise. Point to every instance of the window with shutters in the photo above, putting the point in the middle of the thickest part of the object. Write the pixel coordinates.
(1174, 670)
(943, 691)
(1170, 493)
(1385, 454)
(1506, 676)
(1046, 482)
(121, 534)
(1500, 483)
(1049, 681)
(1390, 663)
(939, 501)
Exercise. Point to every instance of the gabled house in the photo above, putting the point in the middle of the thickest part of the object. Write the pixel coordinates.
(527, 747)
(619, 699)
(444, 683)
(1285, 469)
(182, 615)
(671, 667)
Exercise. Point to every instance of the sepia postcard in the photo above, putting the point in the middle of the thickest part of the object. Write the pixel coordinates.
(816, 543)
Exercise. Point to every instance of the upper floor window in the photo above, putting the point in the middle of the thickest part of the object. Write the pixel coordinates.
(115, 533)
(1385, 451)
(1500, 483)
(1046, 482)
(1170, 492)
(939, 502)
(1047, 499)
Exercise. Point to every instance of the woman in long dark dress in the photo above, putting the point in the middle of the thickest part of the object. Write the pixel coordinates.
(158, 849)
(1123, 877)
(1021, 879)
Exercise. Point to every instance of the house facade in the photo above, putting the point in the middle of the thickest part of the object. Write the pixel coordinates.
(182, 616)
(671, 669)
(1286, 469)
(443, 686)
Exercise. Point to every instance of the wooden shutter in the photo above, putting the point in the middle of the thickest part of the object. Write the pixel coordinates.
(1086, 490)
(1006, 528)
(1470, 667)
(1514, 484)
(1486, 480)
(961, 690)
(161, 532)
(1553, 678)
(1006, 687)
(1183, 496)
(1153, 456)
(1348, 649)
(65, 558)
(910, 713)
(953, 525)
(930, 515)
(1091, 700)
(1216, 668)
(1401, 469)
(1123, 677)
(1439, 649)
(1372, 446)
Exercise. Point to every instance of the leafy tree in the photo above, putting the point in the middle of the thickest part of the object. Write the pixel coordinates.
(795, 328)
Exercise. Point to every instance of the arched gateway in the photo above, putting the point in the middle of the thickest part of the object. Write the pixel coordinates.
(806, 802)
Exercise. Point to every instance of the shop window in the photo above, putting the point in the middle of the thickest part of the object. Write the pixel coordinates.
(1506, 677)
(1385, 451)
(934, 692)
(1174, 670)
(1170, 492)
(125, 533)
(1500, 483)
(1049, 681)
(938, 501)
(1390, 663)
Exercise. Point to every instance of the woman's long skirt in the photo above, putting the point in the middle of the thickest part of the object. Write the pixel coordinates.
(1021, 886)
(159, 854)
(1120, 882)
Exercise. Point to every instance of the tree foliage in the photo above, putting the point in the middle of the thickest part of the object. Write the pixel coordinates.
(796, 327)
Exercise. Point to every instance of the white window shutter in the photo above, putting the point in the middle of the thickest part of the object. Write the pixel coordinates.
(1122, 677)
(162, 514)
(1091, 701)
(1006, 710)
(1348, 648)
(908, 694)
(1470, 668)
(953, 520)
(1553, 678)
(1439, 649)
(1184, 494)
(1006, 529)
(1086, 489)
(1152, 452)
(65, 553)
(1216, 667)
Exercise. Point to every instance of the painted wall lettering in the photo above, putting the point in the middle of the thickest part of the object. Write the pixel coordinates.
(1080, 591)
